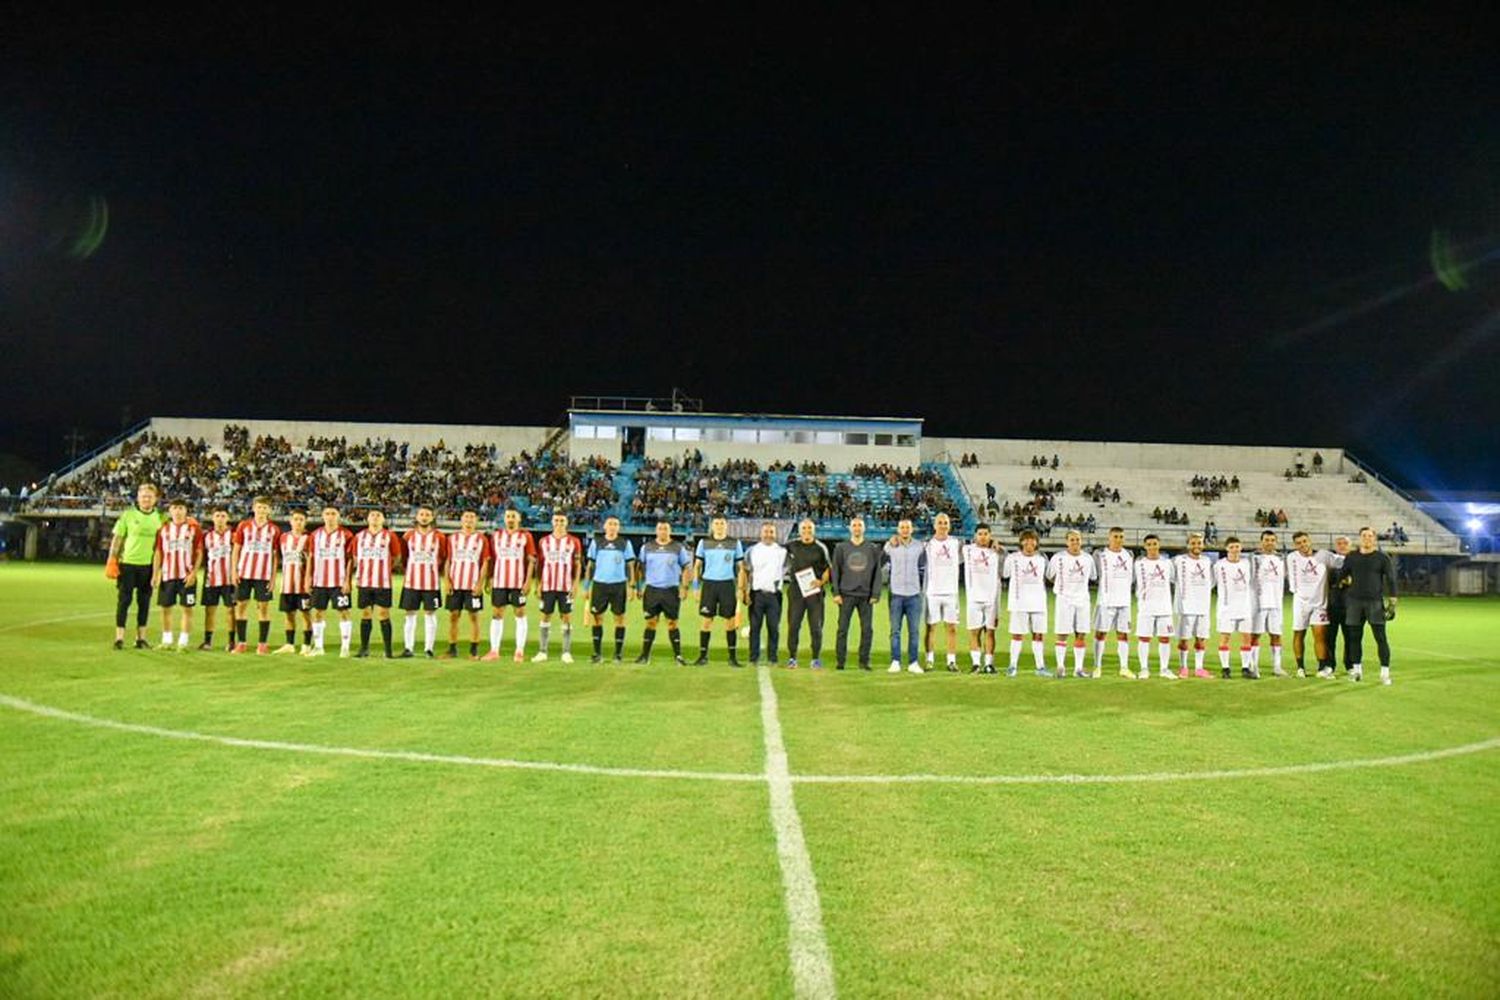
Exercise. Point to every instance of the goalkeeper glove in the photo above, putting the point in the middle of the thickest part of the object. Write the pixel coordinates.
(112, 569)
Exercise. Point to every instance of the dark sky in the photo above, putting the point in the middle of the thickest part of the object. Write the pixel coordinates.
(1097, 229)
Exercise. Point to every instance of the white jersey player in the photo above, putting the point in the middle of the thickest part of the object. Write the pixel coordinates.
(1070, 573)
(1027, 602)
(1307, 575)
(982, 587)
(1236, 589)
(1153, 615)
(1195, 585)
(944, 554)
(1269, 570)
(1116, 576)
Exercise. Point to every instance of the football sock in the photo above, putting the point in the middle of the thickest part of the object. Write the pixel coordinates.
(497, 634)
(365, 625)
(521, 635)
(385, 634)
(264, 631)
(409, 631)
(598, 636)
(619, 640)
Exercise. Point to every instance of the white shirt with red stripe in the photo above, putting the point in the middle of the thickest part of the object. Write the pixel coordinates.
(257, 544)
(510, 550)
(218, 557)
(466, 556)
(426, 551)
(561, 558)
(331, 552)
(374, 554)
(178, 545)
(296, 553)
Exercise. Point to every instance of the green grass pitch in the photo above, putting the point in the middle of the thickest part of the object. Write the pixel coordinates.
(136, 864)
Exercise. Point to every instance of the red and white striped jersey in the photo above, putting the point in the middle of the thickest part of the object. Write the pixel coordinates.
(426, 551)
(510, 550)
(257, 544)
(178, 545)
(561, 558)
(218, 557)
(374, 553)
(296, 553)
(466, 556)
(331, 552)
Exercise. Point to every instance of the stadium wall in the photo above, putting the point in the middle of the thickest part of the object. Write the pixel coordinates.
(509, 440)
(1205, 458)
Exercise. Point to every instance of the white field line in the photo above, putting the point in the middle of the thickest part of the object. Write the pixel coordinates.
(423, 757)
(56, 621)
(812, 964)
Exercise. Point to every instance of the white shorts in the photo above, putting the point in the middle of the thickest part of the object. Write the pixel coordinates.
(1149, 625)
(1192, 626)
(942, 608)
(1231, 621)
(981, 615)
(1305, 613)
(1110, 618)
(1071, 617)
(1267, 620)
(1022, 622)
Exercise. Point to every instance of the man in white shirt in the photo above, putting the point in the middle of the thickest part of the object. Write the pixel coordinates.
(1070, 573)
(1027, 599)
(761, 575)
(1153, 614)
(982, 587)
(1269, 570)
(1195, 584)
(944, 555)
(1116, 576)
(1307, 575)
(1236, 589)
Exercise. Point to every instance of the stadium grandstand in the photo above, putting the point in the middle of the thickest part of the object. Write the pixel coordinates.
(645, 460)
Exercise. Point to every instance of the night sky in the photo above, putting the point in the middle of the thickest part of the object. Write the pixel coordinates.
(1098, 230)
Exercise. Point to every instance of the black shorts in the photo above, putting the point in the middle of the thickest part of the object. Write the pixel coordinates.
(607, 596)
(718, 598)
(324, 596)
(659, 601)
(420, 600)
(374, 597)
(177, 592)
(296, 602)
(556, 600)
(261, 589)
(1357, 613)
(464, 600)
(213, 596)
(502, 596)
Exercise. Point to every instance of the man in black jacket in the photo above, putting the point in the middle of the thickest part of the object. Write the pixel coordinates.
(1368, 579)
(856, 587)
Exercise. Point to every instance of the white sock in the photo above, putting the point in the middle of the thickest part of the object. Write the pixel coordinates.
(1198, 659)
(429, 621)
(521, 635)
(182, 639)
(1276, 657)
(1224, 657)
(1078, 657)
(166, 638)
(952, 658)
(974, 657)
(1255, 655)
(1182, 658)
(1124, 654)
(929, 657)
(1061, 653)
(546, 637)
(409, 631)
(1164, 655)
(346, 632)
(989, 659)
(1098, 652)
(497, 634)
(1015, 653)
(1145, 656)
(1039, 653)
(318, 629)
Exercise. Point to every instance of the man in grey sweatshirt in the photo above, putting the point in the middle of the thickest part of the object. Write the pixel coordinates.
(856, 586)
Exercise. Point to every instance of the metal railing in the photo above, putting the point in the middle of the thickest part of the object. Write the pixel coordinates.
(77, 463)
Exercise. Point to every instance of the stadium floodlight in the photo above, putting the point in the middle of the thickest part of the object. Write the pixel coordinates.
(1476, 524)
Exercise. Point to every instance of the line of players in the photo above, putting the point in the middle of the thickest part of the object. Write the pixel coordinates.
(321, 569)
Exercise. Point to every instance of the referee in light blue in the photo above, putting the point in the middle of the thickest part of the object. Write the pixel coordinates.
(668, 570)
(610, 572)
(718, 565)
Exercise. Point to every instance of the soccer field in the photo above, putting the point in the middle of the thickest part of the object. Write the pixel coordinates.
(201, 824)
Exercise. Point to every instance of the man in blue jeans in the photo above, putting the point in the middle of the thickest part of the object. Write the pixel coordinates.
(908, 561)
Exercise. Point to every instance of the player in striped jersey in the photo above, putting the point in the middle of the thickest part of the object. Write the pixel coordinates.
(561, 556)
(1153, 614)
(296, 597)
(255, 555)
(468, 564)
(218, 574)
(377, 550)
(179, 553)
(1070, 573)
(1195, 585)
(421, 585)
(1236, 606)
(332, 579)
(513, 558)
(1268, 568)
